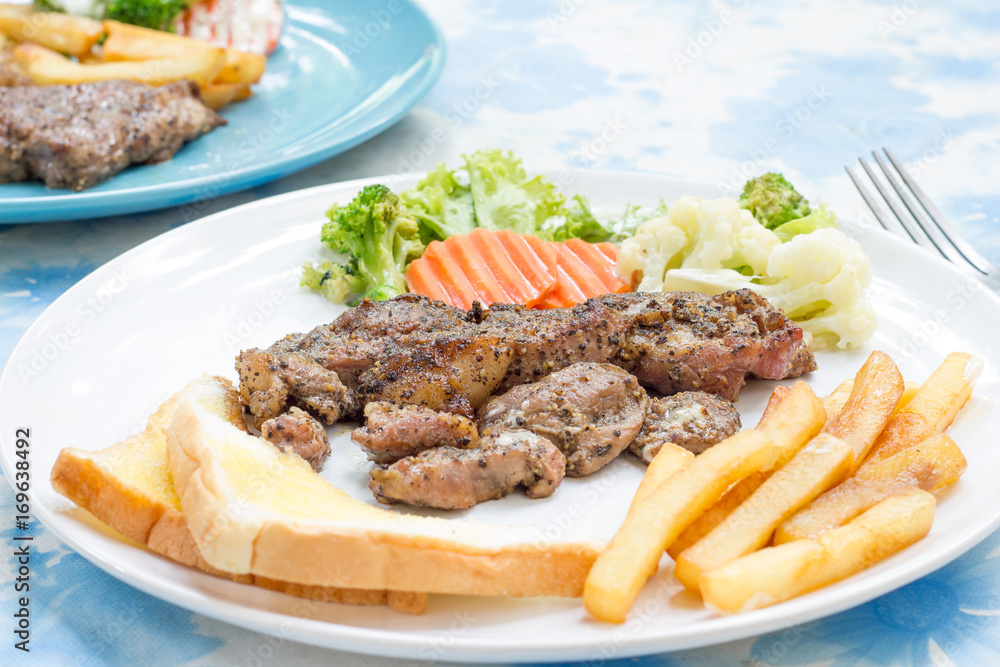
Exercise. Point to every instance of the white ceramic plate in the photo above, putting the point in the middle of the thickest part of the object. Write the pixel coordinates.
(107, 352)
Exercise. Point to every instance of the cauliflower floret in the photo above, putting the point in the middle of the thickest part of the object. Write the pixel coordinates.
(818, 279)
(696, 233)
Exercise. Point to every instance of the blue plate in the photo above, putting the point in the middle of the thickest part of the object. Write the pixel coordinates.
(344, 72)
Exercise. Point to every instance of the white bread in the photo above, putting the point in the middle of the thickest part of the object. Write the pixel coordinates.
(253, 509)
(129, 487)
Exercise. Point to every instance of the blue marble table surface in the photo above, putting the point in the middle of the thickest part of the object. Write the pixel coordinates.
(710, 91)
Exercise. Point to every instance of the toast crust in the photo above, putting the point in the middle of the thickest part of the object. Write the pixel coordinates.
(240, 495)
(128, 487)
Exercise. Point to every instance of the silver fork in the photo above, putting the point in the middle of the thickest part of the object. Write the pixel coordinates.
(917, 219)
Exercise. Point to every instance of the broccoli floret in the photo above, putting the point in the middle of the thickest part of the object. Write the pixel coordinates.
(378, 238)
(155, 14)
(337, 282)
(773, 201)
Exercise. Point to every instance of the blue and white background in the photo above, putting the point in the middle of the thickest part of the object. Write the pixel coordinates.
(711, 92)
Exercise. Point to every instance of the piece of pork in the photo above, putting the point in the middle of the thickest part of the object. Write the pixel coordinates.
(545, 341)
(270, 383)
(393, 432)
(693, 420)
(453, 374)
(591, 412)
(685, 341)
(297, 431)
(451, 478)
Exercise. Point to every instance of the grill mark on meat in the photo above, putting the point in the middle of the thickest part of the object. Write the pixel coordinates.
(693, 420)
(591, 412)
(79, 135)
(451, 478)
(297, 431)
(392, 432)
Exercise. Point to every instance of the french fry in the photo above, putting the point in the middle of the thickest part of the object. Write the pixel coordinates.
(46, 67)
(779, 573)
(824, 462)
(129, 42)
(661, 514)
(218, 95)
(669, 460)
(932, 408)
(736, 494)
(873, 398)
(875, 375)
(834, 402)
(73, 35)
(931, 465)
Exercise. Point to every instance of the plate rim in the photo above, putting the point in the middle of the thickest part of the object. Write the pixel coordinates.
(390, 643)
(61, 206)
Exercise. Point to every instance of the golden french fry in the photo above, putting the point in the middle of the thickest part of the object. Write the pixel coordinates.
(244, 93)
(779, 573)
(218, 95)
(821, 464)
(932, 408)
(663, 512)
(74, 35)
(910, 390)
(46, 67)
(129, 42)
(834, 402)
(737, 493)
(669, 460)
(874, 395)
(931, 465)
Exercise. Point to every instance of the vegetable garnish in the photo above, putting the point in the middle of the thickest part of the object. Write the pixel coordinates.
(485, 266)
(378, 239)
(584, 270)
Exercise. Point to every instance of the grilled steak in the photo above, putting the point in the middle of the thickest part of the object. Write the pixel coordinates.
(412, 350)
(298, 432)
(269, 383)
(545, 341)
(77, 136)
(392, 432)
(686, 341)
(451, 478)
(591, 412)
(693, 420)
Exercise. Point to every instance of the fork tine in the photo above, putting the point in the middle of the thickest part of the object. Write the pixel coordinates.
(933, 233)
(888, 223)
(940, 220)
(902, 216)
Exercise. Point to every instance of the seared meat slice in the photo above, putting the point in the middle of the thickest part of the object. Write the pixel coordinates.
(373, 330)
(685, 341)
(297, 431)
(452, 479)
(545, 341)
(392, 432)
(269, 383)
(591, 412)
(77, 136)
(451, 374)
(693, 420)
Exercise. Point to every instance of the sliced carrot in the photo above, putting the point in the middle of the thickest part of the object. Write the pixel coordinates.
(489, 267)
(583, 270)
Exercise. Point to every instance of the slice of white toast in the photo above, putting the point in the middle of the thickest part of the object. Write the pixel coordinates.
(129, 487)
(253, 509)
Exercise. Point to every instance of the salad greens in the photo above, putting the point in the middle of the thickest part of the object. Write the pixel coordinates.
(379, 233)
